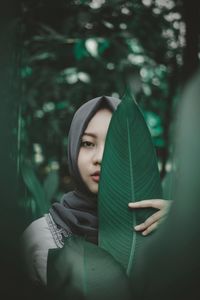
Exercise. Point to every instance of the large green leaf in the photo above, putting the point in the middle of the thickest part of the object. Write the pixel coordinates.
(41, 205)
(82, 270)
(129, 172)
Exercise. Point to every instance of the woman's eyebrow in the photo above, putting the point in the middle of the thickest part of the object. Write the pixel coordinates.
(89, 134)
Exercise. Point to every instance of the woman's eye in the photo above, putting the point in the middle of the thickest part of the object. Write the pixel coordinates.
(87, 144)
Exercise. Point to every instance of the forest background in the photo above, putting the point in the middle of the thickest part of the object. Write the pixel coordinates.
(56, 55)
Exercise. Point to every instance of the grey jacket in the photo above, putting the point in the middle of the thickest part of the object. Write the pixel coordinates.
(40, 236)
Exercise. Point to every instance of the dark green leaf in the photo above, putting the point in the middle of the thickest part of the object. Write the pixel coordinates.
(79, 50)
(81, 270)
(35, 188)
(129, 173)
(51, 185)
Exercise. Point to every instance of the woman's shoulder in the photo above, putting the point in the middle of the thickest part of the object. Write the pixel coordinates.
(38, 235)
(37, 239)
(35, 242)
(44, 233)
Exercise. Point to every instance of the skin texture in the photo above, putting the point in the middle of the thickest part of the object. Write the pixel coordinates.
(89, 164)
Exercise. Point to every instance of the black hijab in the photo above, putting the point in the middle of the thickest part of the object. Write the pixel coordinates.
(77, 210)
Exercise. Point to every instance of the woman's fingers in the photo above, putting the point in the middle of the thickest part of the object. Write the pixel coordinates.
(154, 203)
(151, 220)
(150, 228)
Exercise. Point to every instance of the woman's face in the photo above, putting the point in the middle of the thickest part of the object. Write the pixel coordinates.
(92, 147)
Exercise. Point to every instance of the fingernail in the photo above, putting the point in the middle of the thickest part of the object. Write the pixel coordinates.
(137, 227)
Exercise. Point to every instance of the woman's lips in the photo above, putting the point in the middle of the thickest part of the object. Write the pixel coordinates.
(96, 176)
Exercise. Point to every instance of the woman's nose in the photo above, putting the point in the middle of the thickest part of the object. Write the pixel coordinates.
(97, 158)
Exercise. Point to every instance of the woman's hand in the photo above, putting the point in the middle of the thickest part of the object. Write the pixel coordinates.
(153, 221)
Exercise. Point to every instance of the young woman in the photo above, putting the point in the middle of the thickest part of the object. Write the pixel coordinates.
(77, 211)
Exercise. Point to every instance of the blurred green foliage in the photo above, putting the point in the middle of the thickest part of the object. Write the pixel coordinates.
(76, 50)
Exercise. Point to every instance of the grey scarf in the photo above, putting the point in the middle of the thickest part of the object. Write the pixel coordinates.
(77, 211)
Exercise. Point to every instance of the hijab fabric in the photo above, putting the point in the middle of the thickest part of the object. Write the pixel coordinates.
(77, 211)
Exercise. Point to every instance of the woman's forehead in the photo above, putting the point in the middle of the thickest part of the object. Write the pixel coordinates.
(99, 123)
(98, 119)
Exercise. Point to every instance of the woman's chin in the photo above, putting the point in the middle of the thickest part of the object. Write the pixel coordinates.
(93, 188)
